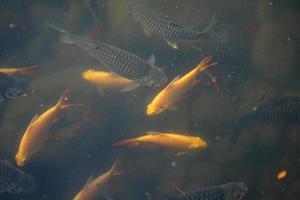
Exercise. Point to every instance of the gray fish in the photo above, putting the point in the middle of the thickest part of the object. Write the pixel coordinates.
(154, 23)
(13, 180)
(229, 191)
(12, 87)
(284, 110)
(118, 61)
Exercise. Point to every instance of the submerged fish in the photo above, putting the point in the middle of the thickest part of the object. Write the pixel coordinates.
(20, 71)
(119, 61)
(98, 187)
(13, 180)
(229, 191)
(12, 87)
(171, 31)
(284, 110)
(176, 90)
(37, 132)
(179, 142)
(107, 80)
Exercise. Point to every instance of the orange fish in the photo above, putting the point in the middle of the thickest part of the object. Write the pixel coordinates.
(108, 81)
(281, 175)
(180, 142)
(32, 70)
(98, 187)
(177, 89)
(37, 131)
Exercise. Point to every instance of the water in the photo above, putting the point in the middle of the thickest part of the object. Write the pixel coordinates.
(260, 59)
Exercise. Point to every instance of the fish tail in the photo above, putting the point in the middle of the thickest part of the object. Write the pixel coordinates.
(66, 37)
(211, 25)
(126, 143)
(204, 64)
(33, 70)
(218, 37)
(63, 101)
(214, 82)
(87, 116)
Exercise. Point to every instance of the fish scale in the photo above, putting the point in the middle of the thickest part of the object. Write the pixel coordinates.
(208, 193)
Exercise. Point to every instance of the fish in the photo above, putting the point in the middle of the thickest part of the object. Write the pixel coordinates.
(179, 142)
(37, 132)
(284, 110)
(281, 175)
(162, 26)
(32, 70)
(177, 89)
(228, 191)
(14, 180)
(99, 187)
(119, 61)
(107, 80)
(13, 87)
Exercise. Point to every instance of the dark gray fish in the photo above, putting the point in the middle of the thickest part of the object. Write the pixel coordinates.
(229, 191)
(13, 180)
(12, 87)
(118, 61)
(154, 23)
(284, 110)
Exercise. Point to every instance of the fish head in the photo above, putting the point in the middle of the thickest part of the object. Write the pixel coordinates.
(154, 109)
(198, 142)
(21, 159)
(234, 191)
(24, 183)
(20, 87)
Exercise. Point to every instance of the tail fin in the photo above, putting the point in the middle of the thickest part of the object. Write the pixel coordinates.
(126, 143)
(205, 64)
(33, 70)
(63, 101)
(66, 36)
(213, 80)
(211, 24)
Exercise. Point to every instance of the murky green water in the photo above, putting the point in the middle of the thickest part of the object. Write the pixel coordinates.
(259, 59)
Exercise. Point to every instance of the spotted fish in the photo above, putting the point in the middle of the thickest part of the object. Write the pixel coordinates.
(13, 180)
(229, 191)
(12, 87)
(284, 110)
(119, 61)
(154, 23)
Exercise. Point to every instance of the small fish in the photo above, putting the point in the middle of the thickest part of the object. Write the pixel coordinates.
(176, 90)
(281, 175)
(12, 87)
(229, 191)
(13, 180)
(107, 80)
(284, 110)
(99, 187)
(32, 70)
(181, 143)
(171, 31)
(119, 61)
(37, 132)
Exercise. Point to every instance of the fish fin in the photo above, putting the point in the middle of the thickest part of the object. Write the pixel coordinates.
(181, 153)
(151, 60)
(130, 143)
(62, 103)
(172, 108)
(130, 87)
(204, 64)
(34, 118)
(115, 169)
(153, 133)
(193, 46)
(213, 80)
(219, 37)
(211, 25)
(172, 44)
(100, 90)
(90, 179)
(33, 70)
(147, 32)
(172, 82)
(195, 82)
(177, 188)
(66, 37)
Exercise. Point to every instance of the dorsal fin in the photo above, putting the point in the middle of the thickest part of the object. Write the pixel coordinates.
(173, 81)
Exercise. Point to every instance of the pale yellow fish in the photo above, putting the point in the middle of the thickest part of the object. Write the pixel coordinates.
(177, 89)
(180, 142)
(37, 131)
(32, 70)
(98, 187)
(108, 80)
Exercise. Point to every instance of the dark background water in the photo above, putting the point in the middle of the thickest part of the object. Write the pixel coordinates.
(261, 56)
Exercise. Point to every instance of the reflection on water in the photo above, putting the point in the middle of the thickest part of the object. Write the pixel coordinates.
(257, 64)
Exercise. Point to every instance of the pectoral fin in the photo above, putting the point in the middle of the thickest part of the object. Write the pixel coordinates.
(130, 87)
(172, 44)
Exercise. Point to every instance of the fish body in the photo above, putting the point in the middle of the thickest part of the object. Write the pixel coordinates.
(119, 61)
(13, 180)
(154, 23)
(284, 110)
(107, 80)
(229, 191)
(12, 87)
(98, 187)
(19, 71)
(176, 90)
(175, 141)
(37, 131)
